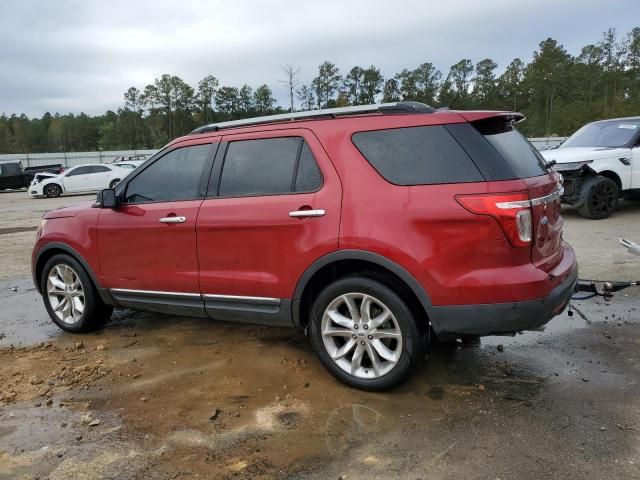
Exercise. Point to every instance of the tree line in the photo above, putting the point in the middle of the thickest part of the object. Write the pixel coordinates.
(557, 91)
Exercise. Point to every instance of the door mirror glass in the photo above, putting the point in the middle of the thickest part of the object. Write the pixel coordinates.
(107, 198)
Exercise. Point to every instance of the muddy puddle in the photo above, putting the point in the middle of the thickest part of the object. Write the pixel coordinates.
(153, 396)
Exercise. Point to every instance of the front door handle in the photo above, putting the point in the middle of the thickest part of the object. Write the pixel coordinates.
(173, 219)
(307, 213)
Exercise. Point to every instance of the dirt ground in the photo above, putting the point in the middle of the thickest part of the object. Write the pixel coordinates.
(162, 397)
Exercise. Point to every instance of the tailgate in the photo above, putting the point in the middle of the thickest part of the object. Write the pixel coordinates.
(545, 192)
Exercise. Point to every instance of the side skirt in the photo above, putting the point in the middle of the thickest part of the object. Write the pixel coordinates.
(257, 310)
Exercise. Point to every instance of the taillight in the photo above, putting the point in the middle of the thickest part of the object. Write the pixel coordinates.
(511, 210)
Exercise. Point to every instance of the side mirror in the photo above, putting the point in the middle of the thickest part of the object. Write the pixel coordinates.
(107, 198)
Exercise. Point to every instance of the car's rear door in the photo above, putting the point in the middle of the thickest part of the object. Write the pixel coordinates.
(272, 209)
(147, 246)
(98, 177)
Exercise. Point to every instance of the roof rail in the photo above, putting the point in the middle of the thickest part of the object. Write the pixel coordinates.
(394, 107)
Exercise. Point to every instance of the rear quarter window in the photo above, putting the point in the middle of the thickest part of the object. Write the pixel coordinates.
(417, 156)
(499, 150)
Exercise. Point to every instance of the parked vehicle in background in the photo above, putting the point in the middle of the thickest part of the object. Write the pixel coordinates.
(599, 163)
(129, 158)
(130, 164)
(13, 175)
(83, 178)
(370, 227)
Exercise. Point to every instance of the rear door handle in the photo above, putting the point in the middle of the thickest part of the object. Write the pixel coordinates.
(307, 213)
(173, 219)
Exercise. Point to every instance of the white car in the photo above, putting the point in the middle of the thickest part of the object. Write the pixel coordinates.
(599, 164)
(83, 178)
(129, 164)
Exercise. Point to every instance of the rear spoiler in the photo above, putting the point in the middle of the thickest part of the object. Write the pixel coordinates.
(474, 116)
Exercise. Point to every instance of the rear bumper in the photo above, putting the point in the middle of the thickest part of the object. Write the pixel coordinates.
(505, 318)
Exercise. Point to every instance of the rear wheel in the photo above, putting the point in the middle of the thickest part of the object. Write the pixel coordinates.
(599, 198)
(365, 334)
(114, 183)
(70, 297)
(52, 190)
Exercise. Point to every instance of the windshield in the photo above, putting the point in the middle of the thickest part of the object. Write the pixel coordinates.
(604, 134)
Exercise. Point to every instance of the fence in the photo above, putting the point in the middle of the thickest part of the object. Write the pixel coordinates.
(545, 142)
(71, 159)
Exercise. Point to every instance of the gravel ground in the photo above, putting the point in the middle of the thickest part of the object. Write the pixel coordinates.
(162, 397)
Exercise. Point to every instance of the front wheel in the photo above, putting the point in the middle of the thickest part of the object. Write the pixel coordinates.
(52, 190)
(365, 334)
(599, 198)
(70, 297)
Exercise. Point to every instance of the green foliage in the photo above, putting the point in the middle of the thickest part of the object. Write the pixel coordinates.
(558, 92)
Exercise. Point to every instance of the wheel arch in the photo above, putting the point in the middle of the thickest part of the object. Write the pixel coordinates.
(51, 249)
(343, 262)
(610, 174)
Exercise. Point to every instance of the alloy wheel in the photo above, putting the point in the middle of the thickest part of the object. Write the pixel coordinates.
(361, 335)
(603, 198)
(66, 294)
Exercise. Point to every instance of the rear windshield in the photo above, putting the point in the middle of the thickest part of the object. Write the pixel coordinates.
(522, 157)
(417, 156)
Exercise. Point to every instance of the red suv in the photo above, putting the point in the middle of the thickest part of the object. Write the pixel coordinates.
(370, 227)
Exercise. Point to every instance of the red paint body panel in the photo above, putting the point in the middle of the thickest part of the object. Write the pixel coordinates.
(75, 226)
(138, 252)
(250, 246)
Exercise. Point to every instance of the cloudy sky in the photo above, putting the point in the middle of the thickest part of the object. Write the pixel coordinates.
(81, 55)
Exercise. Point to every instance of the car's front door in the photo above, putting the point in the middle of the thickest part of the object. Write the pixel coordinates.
(75, 180)
(272, 209)
(147, 246)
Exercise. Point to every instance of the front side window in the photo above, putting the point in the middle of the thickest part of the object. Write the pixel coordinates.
(269, 166)
(78, 171)
(174, 176)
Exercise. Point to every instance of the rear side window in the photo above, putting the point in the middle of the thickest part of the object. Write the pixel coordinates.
(269, 166)
(417, 156)
(174, 176)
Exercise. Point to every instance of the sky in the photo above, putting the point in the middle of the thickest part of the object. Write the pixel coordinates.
(80, 56)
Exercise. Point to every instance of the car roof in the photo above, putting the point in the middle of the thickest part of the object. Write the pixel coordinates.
(620, 119)
(92, 165)
(397, 113)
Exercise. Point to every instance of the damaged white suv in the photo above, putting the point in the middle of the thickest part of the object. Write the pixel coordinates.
(599, 163)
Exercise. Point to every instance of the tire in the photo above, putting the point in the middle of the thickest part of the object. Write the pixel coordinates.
(598, 198)
(114, 183)
(404, 351)
(52, 190)
(66, 270)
